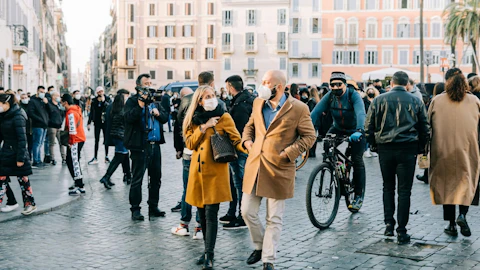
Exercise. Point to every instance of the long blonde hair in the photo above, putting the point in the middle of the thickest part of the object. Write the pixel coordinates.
(197, 96)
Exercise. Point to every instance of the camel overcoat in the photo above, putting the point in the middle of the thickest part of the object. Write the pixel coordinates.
(291, 131)
(209, 181)
(454, 151)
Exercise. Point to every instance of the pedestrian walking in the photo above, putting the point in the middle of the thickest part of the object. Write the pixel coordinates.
(24, 99)
(97, 116)
(46, 144)
(55, 121)
(397, 124)
(454, 153)
(206, 190)
(371, 93)
(37, 111)
(279, 130)
(14, 159)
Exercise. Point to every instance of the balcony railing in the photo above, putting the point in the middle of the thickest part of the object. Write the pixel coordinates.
(250, 47)
(250, 72)
(352, 41)
(210, 40)
(227, 48)
(20, 38)
(339, 41)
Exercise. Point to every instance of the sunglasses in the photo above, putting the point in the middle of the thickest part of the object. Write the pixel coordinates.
(338, 84)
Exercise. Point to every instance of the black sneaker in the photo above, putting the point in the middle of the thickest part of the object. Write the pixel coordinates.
(239, 223)
(403, 238)
(47, 159)
(93, 161)
(422, 178)
(227, 219)
(389, 230)
(177, 207)
(136, 215)
(107, 160)
(464, 228)
(53, 162)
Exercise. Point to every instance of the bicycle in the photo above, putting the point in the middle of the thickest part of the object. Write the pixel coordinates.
(333, 179)
(301, 160)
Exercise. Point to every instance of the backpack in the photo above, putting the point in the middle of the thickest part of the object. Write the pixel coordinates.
(326, 119)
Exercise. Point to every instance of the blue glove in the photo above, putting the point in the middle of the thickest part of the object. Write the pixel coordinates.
(355, 137)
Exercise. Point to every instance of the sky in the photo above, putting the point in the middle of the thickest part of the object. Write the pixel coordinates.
(86, 20)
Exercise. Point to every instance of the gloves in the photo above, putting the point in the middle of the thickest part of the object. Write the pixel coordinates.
(355, 137)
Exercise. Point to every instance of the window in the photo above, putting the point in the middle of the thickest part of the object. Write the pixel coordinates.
(416, 57)
(313, 70)
(371, 29)
(351, 58)
(281, 41)
(188, 75)
(387, 57)
(132, 12)
(436, 30)
(187, 54)
(416, 30)
(295, 5)
(211, 8)
(250, 41)
(227, 18)
(468, 58)
(152, 54)
(351, 4)
(251, 17)
(130, 75)
(371, 57)
(315, 25)
(226, 41)
(153, 74)
(152, 31)
(387, 4)
(187, 30)
(403, 57)
(169, 74)
(188, 10)
(151, 9)
(315, 5)
(209, 53)
(370, 4)
(296, 25)
(281, 16)
(403, 30)
(210, 33)
(337, 58)
(387, 29)
(129, 54)
(338, 5)
(170, 9)
(169, 31)
(295, 70)
(283, 63)
(403, 4)
(169, 53)
(295, 48)
(227, 65)
(339, 32)
(352, 33)
(435, 59)
(251, 63)
(315, 49)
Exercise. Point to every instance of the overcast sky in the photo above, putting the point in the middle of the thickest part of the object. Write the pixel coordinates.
(86, 20)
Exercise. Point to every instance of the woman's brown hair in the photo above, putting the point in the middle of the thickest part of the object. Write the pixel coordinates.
(474, 83)
(456, 86)
(438, 88)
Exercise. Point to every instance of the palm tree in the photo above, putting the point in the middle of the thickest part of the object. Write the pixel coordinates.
(463, 21)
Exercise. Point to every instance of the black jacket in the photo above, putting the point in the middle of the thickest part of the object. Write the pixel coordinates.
(14, 148)
(241, 109)
(117, 126)
(29, 120)
(367, 103)
(38, 112)
(177, 126)
(135, 137)
(97, 111)
(397, 117)
(166, 102)
(55, 116)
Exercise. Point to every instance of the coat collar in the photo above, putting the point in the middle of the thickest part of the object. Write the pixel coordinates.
(285, 108)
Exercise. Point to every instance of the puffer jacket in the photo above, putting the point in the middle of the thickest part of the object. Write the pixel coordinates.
(397, 117)
(14, 137)
(241, 109)
(118, 127)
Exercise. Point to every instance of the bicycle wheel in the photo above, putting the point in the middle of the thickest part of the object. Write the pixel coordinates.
(301, 160)
(323, 196)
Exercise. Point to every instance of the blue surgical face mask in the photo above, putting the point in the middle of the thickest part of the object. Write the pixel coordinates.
(57, 99)
(41, 95)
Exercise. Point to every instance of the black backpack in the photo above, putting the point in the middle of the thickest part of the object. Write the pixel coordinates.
(326, 120)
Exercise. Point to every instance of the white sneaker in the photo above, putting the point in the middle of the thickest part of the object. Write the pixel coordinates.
(29, 210)
(9, 208)
(181, 230)
(374, 154)
(198, 234)
(367, 154)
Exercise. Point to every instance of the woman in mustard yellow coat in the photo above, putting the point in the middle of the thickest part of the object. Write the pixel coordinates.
(208, 181)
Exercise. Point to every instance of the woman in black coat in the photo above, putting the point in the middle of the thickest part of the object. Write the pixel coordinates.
(14, 157)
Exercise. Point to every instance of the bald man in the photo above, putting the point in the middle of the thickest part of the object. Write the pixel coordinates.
(279, 130)
(185, 91)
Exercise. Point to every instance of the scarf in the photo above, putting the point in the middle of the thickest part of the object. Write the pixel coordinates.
(201, 116)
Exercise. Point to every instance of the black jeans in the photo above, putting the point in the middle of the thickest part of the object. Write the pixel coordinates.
(449, 211)
(30, 145)
(10, 196)
(209, 221)
(100, 128)
(232, 208)
(73, 163)
(151, 159)
(356, 152)
(118, 159)
(397, 161)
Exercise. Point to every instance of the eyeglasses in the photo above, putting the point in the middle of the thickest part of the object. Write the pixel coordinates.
(338, 84)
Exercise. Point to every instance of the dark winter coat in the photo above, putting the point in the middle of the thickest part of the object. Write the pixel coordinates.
(14, 148)
(97, 111)
(38, 112)
(241, 109)
(55, 116)
(29, 120)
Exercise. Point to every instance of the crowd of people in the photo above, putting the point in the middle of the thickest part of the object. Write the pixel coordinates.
(268, 128)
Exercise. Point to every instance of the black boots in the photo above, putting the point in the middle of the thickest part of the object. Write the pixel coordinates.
(255, 257)
(136, 215)
(155, 212)
(105, 181)
(389, 230)
(208, 262)
(464, 228)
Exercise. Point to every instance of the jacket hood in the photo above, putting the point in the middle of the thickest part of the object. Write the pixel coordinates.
(13, 111)
(75, 108)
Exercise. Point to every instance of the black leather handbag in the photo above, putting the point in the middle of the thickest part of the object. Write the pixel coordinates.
(222, 147)
(64, 136)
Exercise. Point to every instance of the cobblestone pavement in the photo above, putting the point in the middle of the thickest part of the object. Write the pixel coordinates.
(96, 232)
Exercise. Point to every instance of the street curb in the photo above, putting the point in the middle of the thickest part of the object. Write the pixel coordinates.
(47, 209)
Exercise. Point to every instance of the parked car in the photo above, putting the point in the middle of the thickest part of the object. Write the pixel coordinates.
(177, 86)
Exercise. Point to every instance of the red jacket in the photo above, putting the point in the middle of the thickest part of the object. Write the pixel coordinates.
(74, 125)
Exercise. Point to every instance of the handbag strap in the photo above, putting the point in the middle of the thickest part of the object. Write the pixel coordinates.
(215, 130)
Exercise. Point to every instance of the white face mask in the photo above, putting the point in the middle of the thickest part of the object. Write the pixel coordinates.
(78, 97)
(17, 97)
(224, 96)
(210, 104)
(41, 95)
(265, 92)
(2, 110)
(24, 101)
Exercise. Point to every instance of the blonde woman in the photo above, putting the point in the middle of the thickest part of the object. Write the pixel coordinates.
(208, 181)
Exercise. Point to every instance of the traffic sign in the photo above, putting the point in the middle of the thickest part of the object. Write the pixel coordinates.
(444, 63)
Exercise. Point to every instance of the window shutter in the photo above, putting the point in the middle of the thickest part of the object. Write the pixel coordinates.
(299, 25)
(310, 70)
(366, 58)
(148, 54)
(166, 31)
(156, 53)
(334, 62)
(183, 53)
(156, 31)
(174, 30)
(425, 30)
(183, 31)
(291, 25)
(376, 58)
(357, 57)
(191, 54)
(206, 53)
(398, 30)
(299, 70)
(290, 70)
(346, 60)
(165, 53)
(278, 16)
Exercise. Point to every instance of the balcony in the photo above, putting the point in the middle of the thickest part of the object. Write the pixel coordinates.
(130, 64)
(227, 48)
(250, 48)
(130, 40)
(306, 56)
(20, 38)
(210, 40)
(282, 48)
(250, 73)
(352, 41)
(338, 41)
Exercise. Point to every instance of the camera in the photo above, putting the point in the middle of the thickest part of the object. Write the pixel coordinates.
(146, 91)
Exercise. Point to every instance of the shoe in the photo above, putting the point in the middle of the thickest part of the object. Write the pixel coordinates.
(255, 257)
(38, 165)
(208, 263)
(155, 212)
(423, 178)
(181, 230)
(53, 162)
(107, 160)
(110, 183)
(239, 223)
(227, 219)
(9, 208)
(177, 207)
(403, 238)
(200, 260)
(64, 161)
(451, 230)
(373, 154)
(71, 187)
(464, 228)
(104, 181)
(367, 154)
(127, 178)
(197, 233)
(93, 161)
(357, 203)
(29, 210)
(76, 191)
(389, 230)
(136, 215)
(47, 159)
(268, 266)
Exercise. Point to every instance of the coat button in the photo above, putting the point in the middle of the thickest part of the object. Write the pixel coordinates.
(201, 148)
(203, 162)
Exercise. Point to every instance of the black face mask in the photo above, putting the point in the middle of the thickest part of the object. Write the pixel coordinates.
(371, 95)
(304, 98)
(337, 92)
(378, 87)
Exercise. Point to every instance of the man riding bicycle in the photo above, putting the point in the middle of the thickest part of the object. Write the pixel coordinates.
(348, 112)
